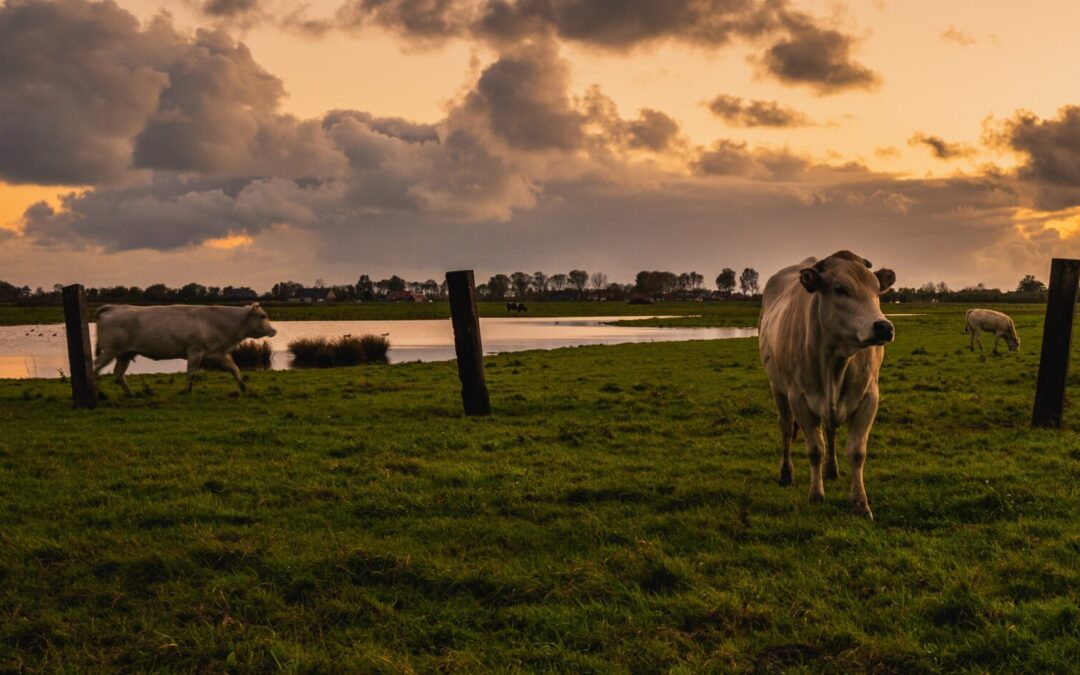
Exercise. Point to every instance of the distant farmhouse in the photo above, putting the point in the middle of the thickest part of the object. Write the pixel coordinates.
(406, 296)
(315, 295)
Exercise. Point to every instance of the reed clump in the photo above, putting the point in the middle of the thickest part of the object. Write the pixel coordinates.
(349, 350)
(253, 355)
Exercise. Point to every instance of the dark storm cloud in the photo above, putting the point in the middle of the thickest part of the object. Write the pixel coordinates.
(423, 20)
(220, 158)
(755, 113)
(229, 8)
(1051, 153)
(941, 148)
(802, 50)
(653, 130)
(171, 212)
(733, 158)
(394, 127)
(1051, 147)
(817, 57)
(77, 81)
(607, 24)
(90, 97)
(523, 97)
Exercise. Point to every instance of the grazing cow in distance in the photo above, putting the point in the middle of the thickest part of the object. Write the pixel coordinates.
(518, 307)
(821, 339)
(198, 333)
(1001, 325)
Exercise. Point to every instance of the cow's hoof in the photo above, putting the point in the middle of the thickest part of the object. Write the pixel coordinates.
(817, 497)
(786, 475)
(832, 471)
(861, 508)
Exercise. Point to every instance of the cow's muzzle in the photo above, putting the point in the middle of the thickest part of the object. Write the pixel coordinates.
(883, 332)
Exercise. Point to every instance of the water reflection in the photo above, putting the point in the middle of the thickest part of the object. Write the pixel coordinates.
(41, 351)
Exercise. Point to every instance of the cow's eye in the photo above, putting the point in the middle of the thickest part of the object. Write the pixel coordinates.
(842, 292)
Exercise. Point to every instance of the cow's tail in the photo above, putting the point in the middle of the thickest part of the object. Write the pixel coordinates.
(967, 322)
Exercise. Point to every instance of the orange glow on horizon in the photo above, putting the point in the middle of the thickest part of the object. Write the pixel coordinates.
(229, 241)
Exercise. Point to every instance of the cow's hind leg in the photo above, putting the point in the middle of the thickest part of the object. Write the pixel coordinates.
(788, 429)
(122, 363)
(194, 362)
(230, 365)
(831, 470)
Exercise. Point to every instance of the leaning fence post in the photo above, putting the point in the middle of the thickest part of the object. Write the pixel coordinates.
(83, 386)
(1057, 343)
(470, 352)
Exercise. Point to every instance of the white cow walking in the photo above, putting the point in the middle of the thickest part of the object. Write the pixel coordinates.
(987, 320)
(821, 335)
(198, 333)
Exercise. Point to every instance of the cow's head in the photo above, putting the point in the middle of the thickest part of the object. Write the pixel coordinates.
(1013, 340)
(258, 323)
(848, 307)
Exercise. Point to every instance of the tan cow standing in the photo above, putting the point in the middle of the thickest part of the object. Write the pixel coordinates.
(989, 321)
(820, 337)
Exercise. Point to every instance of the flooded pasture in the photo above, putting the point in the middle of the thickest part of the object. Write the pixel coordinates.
(41, 350)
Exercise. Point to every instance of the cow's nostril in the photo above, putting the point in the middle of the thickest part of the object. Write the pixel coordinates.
(883, 330)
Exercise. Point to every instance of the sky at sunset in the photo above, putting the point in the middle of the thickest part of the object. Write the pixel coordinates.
(243, 142)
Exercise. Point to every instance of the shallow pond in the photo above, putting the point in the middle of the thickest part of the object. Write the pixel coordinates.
(41, 351)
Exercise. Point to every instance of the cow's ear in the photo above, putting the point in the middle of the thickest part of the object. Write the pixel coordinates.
(810, 279)
(886, 278)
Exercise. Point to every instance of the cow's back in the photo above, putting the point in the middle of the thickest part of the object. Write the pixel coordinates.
(990, 321)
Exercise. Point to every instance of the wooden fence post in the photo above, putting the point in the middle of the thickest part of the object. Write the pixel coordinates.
(470, 352)
(1057, 343)
(81, 359)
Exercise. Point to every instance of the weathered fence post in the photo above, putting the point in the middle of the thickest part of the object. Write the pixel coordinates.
(470, 352)
(1057, 343)
(81, 359)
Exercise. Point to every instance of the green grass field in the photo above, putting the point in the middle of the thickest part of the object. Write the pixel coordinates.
(619, 512)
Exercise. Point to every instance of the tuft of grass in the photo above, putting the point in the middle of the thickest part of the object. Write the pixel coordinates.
(252, 355)
(349, 350)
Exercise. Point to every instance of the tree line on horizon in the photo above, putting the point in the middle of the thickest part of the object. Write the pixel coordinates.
(577, 284)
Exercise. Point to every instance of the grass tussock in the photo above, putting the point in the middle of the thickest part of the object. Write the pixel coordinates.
(348, 350)
(252, 355)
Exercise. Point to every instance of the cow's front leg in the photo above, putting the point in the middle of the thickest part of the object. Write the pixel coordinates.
(858, 431)
(101, 361)
(194, 362)
(231, 366)
(815, 447)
